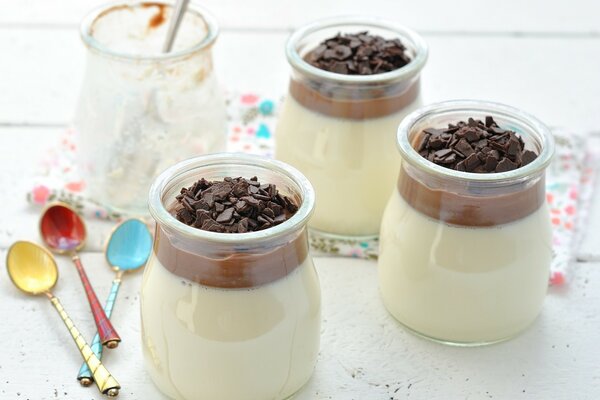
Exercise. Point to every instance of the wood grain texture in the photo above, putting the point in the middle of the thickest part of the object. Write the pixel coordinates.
(576, 16)
(365, 354)
(555, 79)
(542, 56)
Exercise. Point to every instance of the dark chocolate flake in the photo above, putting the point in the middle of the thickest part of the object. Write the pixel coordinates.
(233, 205)
(436, 142)
(472, 162)
(226, 215)
(422, 142)
(443, 153)
(474, 146)
(464, 148)
(358, 54)
(506, 165)
(513, 147)
(490, 164)
(527, 157)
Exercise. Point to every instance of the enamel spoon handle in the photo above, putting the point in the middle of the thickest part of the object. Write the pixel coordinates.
(108, 335)
(104, 380)
(85, 375)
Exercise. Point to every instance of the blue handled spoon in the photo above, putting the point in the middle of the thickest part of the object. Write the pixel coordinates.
(128, 249)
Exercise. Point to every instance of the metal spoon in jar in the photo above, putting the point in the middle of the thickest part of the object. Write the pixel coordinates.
(63, 231)
(178, 13)
(33, 270)
(127, 249)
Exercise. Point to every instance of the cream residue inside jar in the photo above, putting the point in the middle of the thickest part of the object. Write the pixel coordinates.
(142, 29)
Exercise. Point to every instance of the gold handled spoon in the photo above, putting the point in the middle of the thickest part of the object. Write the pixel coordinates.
(33, 270)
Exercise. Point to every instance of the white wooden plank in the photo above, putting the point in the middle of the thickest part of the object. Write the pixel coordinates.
(555, 79)
(364, 354)
(430, 15)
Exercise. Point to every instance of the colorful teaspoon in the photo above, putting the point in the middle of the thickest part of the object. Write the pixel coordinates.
(33, 270)
(128, 249)
(63, 231)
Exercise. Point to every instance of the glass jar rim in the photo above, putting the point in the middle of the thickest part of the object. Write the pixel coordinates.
(408, 71)
(87, 23)
(410, 155)
(164, 217)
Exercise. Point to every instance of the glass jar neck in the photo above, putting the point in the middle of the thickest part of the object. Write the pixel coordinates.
(467, 203)
(227, 260)
(229, 266)
(354, 96)
(103, 49)
(473, 199)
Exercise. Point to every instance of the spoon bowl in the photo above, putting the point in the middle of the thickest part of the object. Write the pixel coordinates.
(31, 268)
(62, 229)
(127, 249)
(129, 246)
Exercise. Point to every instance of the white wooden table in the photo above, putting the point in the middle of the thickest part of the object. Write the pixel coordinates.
(542, 56)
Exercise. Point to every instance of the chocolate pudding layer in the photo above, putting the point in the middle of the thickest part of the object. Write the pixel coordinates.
(364, 103)
(231, 271)
(480, 148)
(232, 206)
(470, 210)
(356, 54)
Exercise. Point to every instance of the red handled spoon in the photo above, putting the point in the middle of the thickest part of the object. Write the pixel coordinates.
(63, 231)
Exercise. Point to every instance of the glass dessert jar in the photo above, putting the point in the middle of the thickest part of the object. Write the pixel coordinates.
(141, 110)
(464, 257)
(338, 129)
(230, 315)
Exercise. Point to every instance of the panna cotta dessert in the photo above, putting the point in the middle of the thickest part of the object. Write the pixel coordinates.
(353, 81)
(465, 242)
(230, 296)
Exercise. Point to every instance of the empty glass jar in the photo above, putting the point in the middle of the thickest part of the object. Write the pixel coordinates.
(141, 110)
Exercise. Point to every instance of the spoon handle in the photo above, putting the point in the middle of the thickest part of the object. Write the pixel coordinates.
(104, 380)
(108, 334)
(85, 375)
(178, 12)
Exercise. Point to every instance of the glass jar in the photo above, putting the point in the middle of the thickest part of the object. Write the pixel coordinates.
(465, 257)
(141, 110)
(339, 129)
(230, 316)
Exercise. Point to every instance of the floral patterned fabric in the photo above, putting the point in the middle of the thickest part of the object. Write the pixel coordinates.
(251, 122)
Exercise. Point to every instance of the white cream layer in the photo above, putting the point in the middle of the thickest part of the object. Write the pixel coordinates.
(230, 344)
(460, 284)
(352, 164)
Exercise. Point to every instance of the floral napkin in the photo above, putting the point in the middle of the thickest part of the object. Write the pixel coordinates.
(251, 122)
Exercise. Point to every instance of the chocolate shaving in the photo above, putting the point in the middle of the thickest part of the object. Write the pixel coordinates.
(233, 205)
(359, 54)
(474, 146)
